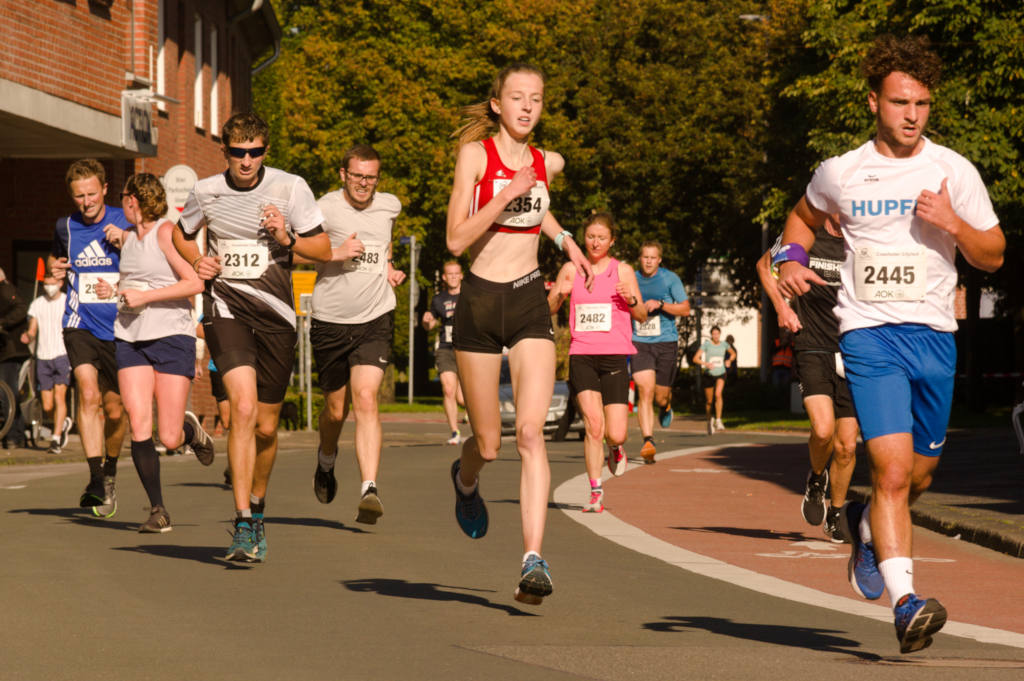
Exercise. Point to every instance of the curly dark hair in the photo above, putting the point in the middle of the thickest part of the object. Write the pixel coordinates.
(912, 55)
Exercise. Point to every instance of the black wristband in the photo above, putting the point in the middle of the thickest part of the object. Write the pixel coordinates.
(293, 240)
(635, 302)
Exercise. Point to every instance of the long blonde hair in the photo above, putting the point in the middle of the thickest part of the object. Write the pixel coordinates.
(480, 120)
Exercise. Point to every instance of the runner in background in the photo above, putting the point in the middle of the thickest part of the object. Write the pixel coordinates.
(53, 369)
(442, 313)
(715, 357)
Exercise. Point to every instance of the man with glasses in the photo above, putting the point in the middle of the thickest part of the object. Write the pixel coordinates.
(353, 305)
(442, 312)
(256, 217)
(86, 246)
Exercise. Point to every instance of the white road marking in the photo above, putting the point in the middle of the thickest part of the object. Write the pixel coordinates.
(608, 526)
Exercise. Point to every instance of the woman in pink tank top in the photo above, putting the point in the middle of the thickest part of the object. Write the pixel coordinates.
(600, 320)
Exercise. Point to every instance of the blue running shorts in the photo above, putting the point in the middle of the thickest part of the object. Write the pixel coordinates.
(901, 379)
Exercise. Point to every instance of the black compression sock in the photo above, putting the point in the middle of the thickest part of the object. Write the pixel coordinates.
(95, 467)
(110, 467)
(147, 463)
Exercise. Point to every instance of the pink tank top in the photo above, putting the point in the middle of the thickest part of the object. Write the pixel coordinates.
(599, 320)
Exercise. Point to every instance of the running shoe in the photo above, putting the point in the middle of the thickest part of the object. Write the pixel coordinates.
(109, 506)
(325, 486)
(535, 582)
(243, 542)
(711, 426)
(596, 503)
(616, 460)
(455, 439)
(159, 521)
(370, 507)
(202, 443)
(470, 510)
(65, 431)
(260, 536)
(813, 505)
(862, 569)
(647, 451)
(54, 448)
(719, 425)
(832, 525)
(665, 416)
(227, 476)
(93, 494)
(916, 620)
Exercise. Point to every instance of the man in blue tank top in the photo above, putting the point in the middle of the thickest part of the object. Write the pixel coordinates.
(657, 342)
(86, 247)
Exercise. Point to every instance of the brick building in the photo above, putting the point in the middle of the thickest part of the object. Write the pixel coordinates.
(142, 85)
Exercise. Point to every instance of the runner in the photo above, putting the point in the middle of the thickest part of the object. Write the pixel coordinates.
(905, 205)
(84, 250)
(155, 339)
(53, 370)
(255, 218)
(498, 207)
(819, 369)
(715, 356)
(442, 312)
(656, 361)
(599, 322)
(353, 322)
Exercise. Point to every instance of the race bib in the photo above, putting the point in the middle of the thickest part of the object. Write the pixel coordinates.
(372, 261)
(716, 362)
(446, 333)
(523, 211)
(594, 317)
(87, 286)
(135, 285)
(242, 258)
(890, 274)
(652, 327)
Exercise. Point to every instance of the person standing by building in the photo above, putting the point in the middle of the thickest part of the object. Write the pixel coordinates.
(715, 357)
(905, 206)
(656, 361)
(255, 218)
(498, 208)
(155, 340)
(85, 248)
(13, 351)
(442, 313)
(600, 323)
(353, 322)
(53, 370)
(819, 370)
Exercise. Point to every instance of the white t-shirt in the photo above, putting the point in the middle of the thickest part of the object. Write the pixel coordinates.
(50, 335)
(356, 291)
(259, 290)
(898, 268)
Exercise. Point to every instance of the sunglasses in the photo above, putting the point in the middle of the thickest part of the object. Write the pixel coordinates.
(240, 152)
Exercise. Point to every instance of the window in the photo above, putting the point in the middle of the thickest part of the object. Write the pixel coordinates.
(214, 99)
(161, 38)
(197, 89)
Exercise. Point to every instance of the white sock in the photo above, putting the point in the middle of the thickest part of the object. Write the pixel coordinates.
(528, 554)
(366, 485)
(898, 574)
(865, 524)
(326, 461)
(466, 490)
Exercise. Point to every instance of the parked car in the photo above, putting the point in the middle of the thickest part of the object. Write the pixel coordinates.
(559, 402)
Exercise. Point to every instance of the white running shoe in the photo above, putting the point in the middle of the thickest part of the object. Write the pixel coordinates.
(719, 425)
(455, 439)
(617, 460)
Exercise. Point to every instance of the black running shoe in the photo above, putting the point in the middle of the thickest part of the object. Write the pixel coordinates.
(813, 505)
(325, 486)
(831, 528)
(93, 495)
(202, 443)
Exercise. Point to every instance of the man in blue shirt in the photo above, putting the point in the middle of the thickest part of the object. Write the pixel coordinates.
(86, 246)
(657, 341)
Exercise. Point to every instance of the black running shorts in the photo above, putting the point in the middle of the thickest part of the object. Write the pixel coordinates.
(661, 358)
(339, 347)
(816, 372)
(233, 344)
(491, 315)
(606, 374)
(85, 348)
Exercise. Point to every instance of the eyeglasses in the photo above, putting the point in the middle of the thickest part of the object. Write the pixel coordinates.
(240, 152)
(359, 178)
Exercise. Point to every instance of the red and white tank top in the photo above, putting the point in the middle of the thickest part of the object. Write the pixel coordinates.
(523, 214)
(599, 320)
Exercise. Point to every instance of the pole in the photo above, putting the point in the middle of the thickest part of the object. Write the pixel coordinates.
(413, 294)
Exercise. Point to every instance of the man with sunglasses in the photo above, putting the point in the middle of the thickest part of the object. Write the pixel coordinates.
(353, 306)
(256, 217)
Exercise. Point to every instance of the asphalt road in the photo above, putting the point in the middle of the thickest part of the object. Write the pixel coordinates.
(411, 597)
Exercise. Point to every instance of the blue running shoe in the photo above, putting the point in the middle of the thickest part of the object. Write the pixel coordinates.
(862, 569)
(260, 536)
(916, 621)
(470, 511)
(665, 416)
(243, 543)
(535, 582)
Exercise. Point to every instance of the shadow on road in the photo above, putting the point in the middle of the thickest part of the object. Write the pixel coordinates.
(210, 555)
(751, 533)
(80, 516)
(314, 522)
(797, 637)
(430, 592)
